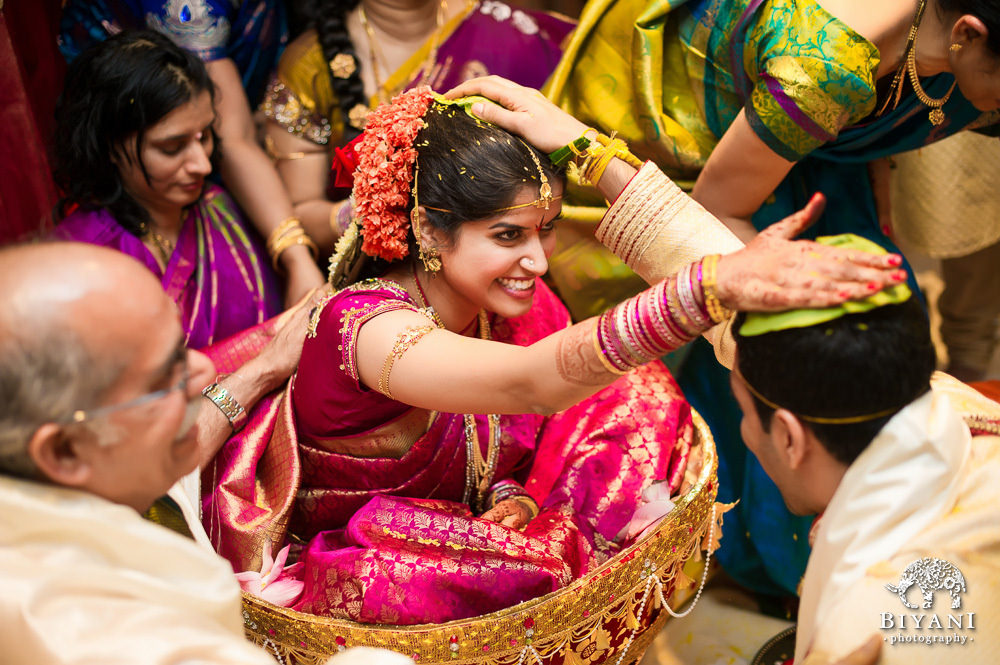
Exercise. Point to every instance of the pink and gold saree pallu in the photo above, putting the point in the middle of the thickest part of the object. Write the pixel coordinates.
(388, 541)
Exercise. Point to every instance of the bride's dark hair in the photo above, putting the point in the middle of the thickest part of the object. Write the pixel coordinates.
(115, 91)
(471, 169)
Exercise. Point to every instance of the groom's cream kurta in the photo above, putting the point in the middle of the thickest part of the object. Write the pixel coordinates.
(924, 488)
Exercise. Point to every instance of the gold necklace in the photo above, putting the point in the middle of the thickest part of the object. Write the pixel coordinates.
(428, 68)
(163, 246)
(936, 115)
(372, 46)
(422, 297)
(376, 55)
(479, 471)
(909, 66)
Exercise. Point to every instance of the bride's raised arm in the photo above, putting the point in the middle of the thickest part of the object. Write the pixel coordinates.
(773, 272)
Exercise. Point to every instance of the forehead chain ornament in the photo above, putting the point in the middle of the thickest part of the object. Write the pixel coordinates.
(544, 189)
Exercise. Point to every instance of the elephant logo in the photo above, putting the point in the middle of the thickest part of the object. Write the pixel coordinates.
(929, 575)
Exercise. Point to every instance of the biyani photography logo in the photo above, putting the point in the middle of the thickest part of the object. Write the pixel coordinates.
(929, 575)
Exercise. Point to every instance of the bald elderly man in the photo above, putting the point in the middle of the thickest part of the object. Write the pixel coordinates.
(101, 414)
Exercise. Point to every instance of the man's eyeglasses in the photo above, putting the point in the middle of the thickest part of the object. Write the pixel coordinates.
(80, 415)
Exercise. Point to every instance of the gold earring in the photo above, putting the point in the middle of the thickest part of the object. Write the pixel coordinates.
(430, 257)
(955, 48)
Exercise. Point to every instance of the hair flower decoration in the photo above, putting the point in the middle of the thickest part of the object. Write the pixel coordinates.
(345, 163)
(385, 168)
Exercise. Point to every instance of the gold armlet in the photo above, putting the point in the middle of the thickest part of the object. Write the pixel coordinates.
(404, 341)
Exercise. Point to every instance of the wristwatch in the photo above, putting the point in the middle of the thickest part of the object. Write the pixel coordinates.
(234, 412)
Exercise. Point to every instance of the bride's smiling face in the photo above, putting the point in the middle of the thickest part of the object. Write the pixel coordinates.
(494, 263)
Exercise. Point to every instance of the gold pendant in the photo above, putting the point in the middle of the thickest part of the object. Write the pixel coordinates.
(936, 116)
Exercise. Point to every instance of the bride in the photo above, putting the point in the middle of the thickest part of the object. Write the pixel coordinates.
(451, 445)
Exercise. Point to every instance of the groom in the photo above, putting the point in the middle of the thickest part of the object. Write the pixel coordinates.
(841, 409)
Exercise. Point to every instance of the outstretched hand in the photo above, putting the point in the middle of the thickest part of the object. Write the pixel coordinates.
(522, 111)
(281, 355)
(775, 272)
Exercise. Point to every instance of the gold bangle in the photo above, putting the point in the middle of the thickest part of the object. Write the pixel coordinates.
(290, 240)
(528, 502)
(283, 228)
(602, 357)
(404, 341)
(709, 269)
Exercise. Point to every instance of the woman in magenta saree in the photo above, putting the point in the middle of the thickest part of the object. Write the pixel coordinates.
(450, 444)
(383, 493)
(218, 273)
(402, 510)
(133, 152)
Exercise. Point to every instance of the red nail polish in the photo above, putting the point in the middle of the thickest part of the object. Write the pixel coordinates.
(873, 286)
(895, 260)
(900, 275)
(843, 295)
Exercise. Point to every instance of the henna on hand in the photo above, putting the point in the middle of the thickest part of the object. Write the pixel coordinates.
(576, 357)
(512, 512)
(775, 272)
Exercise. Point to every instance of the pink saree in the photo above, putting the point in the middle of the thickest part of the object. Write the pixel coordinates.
(385, 536)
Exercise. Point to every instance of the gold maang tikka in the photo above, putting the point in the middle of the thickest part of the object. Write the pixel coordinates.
(544, 189)
(430, 257)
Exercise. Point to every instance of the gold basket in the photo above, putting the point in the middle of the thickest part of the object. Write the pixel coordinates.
(608, 616)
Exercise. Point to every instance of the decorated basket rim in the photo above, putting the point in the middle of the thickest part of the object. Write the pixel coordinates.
(291, 628)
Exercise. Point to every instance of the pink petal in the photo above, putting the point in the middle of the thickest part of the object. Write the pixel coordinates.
(266, 561)
(283, 592)
(279, 561)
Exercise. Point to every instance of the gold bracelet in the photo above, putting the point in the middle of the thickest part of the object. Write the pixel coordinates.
(716, 310)
(284, 227)
(404, 341)
(528, 502)
(288, 234)
(290, 240)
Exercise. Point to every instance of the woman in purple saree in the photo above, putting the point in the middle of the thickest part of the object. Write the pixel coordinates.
(134, 147)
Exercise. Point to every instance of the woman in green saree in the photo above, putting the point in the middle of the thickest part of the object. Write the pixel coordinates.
(756, 104)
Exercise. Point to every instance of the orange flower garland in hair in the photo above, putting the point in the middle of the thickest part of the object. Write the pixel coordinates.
(382, 182)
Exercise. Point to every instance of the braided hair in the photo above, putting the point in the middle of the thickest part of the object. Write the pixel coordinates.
(331, 30)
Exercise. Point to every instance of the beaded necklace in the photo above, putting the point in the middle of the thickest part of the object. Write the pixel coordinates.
(479, 471)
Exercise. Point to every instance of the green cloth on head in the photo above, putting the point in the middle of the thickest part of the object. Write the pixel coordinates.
(760, 323)
(466, 104)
